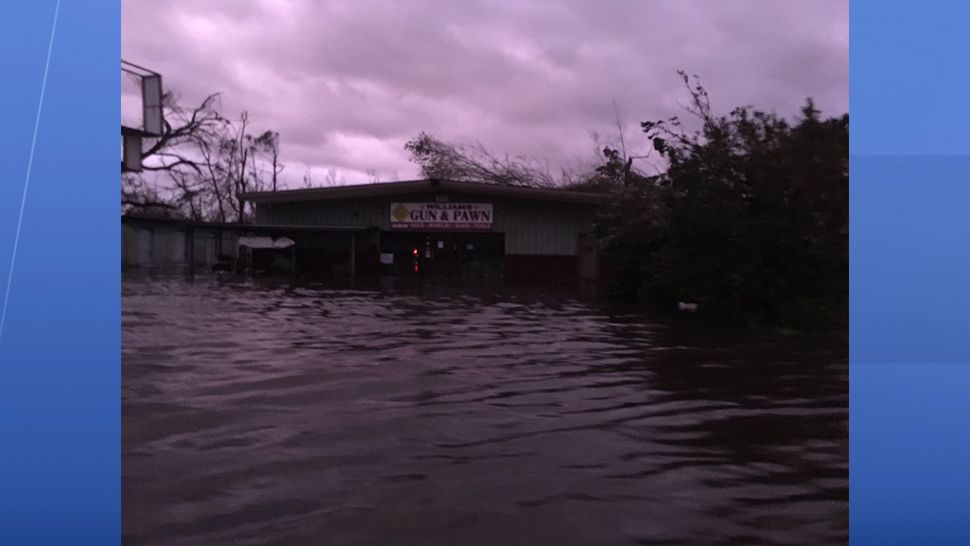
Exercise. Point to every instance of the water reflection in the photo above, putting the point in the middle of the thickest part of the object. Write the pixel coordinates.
(273, 413)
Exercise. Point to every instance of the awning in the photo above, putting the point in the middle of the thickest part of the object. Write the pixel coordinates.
(266, 242)
(283, 242)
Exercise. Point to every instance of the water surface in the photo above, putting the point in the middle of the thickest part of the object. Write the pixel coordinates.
(274, 413)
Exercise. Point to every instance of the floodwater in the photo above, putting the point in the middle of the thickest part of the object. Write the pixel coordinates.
(261, 413)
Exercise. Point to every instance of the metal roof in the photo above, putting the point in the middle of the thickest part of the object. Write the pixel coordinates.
(180, 222)
(380, 189)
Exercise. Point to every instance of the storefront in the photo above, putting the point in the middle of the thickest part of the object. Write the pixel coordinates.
(447, 229)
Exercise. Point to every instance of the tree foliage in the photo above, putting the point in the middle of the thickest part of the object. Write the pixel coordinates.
(750, 218)
(476, 163)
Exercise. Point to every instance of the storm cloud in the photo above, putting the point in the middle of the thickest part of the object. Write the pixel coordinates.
(348, 83)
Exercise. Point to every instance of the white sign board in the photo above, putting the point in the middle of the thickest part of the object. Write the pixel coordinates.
(442, 216)
(387, 258)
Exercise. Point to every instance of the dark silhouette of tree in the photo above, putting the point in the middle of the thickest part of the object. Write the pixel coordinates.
(202, 164)
(750, 217)
(203, 121)
(476, 163)
(268, 143)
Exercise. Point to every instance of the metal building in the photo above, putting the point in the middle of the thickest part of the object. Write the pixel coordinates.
(438, 227)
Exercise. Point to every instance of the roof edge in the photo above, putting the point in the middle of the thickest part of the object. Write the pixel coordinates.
(376, 189)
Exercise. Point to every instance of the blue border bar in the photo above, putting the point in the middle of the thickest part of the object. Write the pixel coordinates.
(910, 273)
(910, 401)
(60, 386)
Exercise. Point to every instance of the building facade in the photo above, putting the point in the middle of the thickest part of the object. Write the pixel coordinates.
(148, 243)
(445, 228)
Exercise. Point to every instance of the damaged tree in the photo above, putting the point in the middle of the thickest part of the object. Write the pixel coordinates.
(201, 165)
(475, 163)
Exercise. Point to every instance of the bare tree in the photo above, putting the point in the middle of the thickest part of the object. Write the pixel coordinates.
(202, 164)
(268, 143)
(308, 177)
(236, 150)
(213, 175)
(142, 196)
(168, 151)
(190, 194)
(334, 178)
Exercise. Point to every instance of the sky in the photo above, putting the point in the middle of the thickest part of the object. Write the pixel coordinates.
(347, 84)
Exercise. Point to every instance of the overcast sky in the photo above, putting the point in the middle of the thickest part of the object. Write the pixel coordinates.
(348, 83)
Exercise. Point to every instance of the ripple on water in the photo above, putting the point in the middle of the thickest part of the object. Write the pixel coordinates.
(261, 413)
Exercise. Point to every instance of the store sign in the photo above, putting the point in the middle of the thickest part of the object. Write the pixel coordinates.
(448, 216)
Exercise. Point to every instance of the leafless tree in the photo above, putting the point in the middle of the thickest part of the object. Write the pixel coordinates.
(268, 144)
(169, 151)
(307, 177)
(334, 178)
(202, 164)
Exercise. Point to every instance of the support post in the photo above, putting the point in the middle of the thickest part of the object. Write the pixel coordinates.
(190, 248)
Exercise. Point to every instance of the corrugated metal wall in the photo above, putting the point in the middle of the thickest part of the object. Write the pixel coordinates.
(155, 246)
(530, 227)
(160, 245)
(540, 228)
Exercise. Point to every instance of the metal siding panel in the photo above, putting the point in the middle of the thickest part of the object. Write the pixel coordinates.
(162, 247)
(330, 213)
(230, 243)
(129, 245)
(144, 247)
(541, 229)
(537, 223)
(178, 251)
(530, 227)
(205, 248)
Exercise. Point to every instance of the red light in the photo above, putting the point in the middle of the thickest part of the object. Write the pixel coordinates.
(415, 252)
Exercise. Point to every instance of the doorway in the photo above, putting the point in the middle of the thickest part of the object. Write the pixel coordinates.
(443, 254)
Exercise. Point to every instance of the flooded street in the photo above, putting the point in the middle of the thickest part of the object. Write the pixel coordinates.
(258, 413)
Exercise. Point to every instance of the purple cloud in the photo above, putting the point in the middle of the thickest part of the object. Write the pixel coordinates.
(347, 83)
